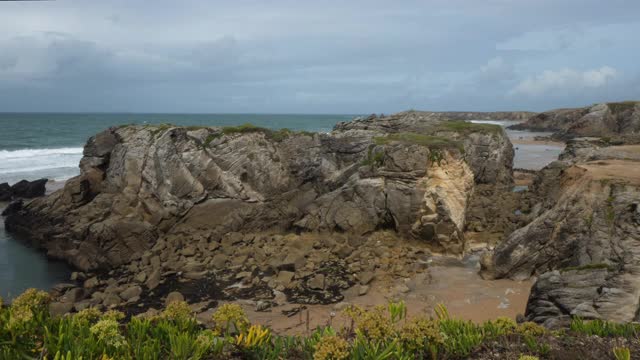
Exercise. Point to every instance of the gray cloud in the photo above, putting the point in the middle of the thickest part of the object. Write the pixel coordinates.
(330, 57)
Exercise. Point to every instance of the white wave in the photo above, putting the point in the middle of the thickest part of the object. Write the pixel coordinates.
(29, 153)
(33, 164)
(496, 122)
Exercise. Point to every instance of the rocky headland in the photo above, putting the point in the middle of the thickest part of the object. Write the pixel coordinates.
(212, 214)
(599, 120)
(245, 212)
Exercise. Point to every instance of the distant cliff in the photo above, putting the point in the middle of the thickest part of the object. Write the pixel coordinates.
(606, 119)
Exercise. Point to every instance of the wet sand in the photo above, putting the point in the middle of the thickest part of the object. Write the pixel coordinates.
(449, 281)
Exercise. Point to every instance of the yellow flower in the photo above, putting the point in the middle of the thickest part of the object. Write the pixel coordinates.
(331, 348)
(177, 311)
(20, 315)
(113, 315)
(256, 336)
(32, 299)
(531, 329)
(420, 333)
(505, 325)
(528, 357)
(89, 315)
(372, 324)
(228, 315)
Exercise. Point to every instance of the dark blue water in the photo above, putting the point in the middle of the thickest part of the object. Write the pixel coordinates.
(34, 146)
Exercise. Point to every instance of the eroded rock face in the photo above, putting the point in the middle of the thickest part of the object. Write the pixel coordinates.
(584, 243)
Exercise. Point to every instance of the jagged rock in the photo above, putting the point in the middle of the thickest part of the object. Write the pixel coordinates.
(13, 207)
(91, 283)
(29, 189)
(72, 295)
(154, 279)
(366, 277)
(263, 305)
(584, 242)
(140, 277)
(5, 192)
(219, 261)
(363, 290)
(111, 300)
(131, 292)
(316, 282)
(60, 308)
(285, 278)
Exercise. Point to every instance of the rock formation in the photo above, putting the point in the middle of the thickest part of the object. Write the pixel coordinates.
(606, 119)
(153, 203)
(23, 189)
(584, 240)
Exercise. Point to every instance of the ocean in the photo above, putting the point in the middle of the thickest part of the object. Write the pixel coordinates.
(39, 145)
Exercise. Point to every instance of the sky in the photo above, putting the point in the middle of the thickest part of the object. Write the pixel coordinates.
(351, 57)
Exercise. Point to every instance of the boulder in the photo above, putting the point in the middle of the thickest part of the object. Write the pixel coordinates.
(57, 309)
(29, 189)
(13, 208)
(5, 192)
(131, 292)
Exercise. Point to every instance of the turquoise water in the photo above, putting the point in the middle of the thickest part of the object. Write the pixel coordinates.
(34, 146)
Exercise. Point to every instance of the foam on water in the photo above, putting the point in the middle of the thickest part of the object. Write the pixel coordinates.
(31, 164)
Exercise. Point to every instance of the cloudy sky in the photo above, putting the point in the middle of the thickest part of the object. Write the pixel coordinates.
(253, 56)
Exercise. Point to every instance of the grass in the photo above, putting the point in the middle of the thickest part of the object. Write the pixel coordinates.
(619, 107)
(27, 331)
(432, 142)
(275, 135)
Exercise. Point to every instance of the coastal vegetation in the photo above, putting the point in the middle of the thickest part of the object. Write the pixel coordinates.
(432, 142)
(28, 331)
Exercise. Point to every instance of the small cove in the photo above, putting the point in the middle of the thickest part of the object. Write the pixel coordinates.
(22, 267)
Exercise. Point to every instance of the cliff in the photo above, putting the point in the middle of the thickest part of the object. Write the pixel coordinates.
(606, 119)
(583, 242)
(152, 201)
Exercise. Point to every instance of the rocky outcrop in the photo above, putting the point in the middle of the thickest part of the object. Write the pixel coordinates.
(606, 119)
(474, 115)
(155, 201)
(584, 243)
(23, 189)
